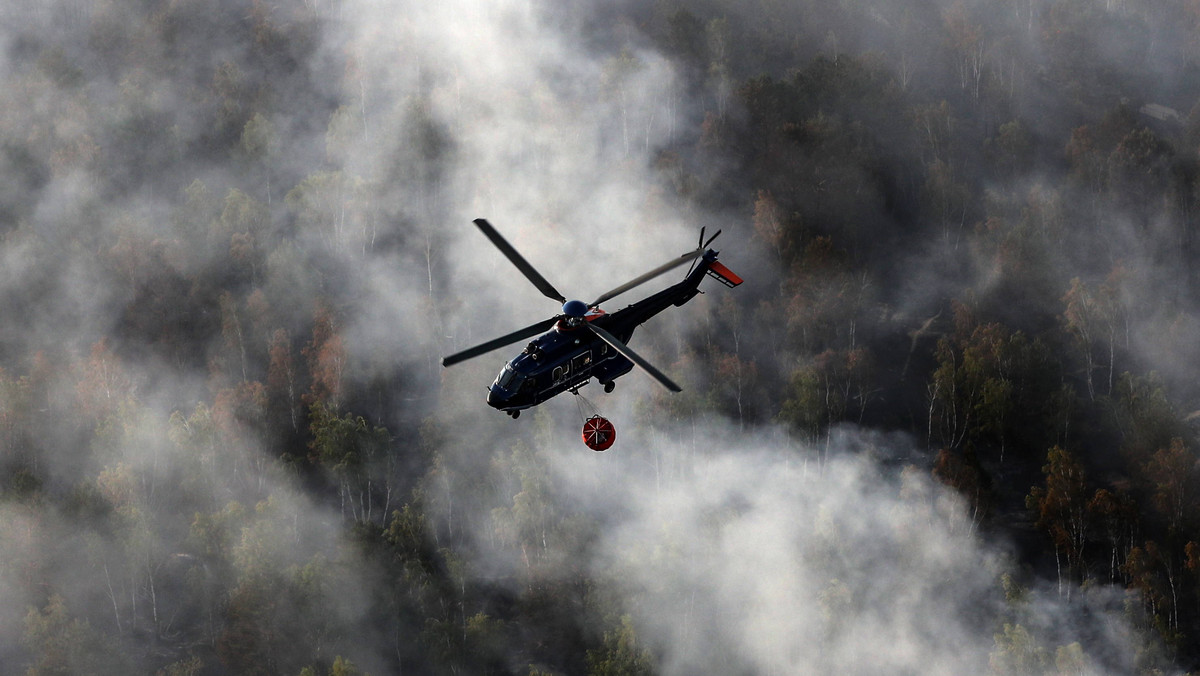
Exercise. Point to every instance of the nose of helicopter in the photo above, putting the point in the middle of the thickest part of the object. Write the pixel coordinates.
(497, 398)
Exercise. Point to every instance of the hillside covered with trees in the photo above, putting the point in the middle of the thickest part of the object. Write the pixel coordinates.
(948, 424)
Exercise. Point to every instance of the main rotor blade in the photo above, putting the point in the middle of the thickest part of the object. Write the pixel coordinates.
(484, 348)
(664, 268)
(633, 357)
(523, 265)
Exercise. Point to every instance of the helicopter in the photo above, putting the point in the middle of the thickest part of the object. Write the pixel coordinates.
(583, 341)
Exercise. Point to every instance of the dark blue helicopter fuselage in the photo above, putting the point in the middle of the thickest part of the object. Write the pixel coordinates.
(568, 356)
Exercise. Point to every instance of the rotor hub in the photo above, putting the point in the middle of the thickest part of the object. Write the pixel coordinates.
(575, 308)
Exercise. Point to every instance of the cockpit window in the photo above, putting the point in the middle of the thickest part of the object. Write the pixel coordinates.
(509, 379)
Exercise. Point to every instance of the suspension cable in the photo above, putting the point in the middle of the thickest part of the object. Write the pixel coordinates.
(580, 401)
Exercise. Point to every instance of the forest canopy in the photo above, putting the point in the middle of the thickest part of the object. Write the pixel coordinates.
(950, 416)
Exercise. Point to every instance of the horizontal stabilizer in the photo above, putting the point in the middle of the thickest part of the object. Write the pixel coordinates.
(724, 274)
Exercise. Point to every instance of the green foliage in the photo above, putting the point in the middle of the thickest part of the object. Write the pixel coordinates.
(987, 383)
(59, 643)
(1144, 418)
(192, 666)
(529, 524)
(621, 655)
(353, 453)
(1070, 660)
(1011, 149)
(340, 667)
(152, 388)
(1016, 653)
(345, 129)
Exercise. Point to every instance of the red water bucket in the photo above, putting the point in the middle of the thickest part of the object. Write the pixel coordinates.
(598, 433)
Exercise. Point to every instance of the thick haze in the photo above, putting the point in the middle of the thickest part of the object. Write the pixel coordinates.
(732, 550)
(753, 561)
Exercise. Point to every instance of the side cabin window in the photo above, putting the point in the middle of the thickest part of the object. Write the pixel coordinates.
(559, 373)
(581, 362)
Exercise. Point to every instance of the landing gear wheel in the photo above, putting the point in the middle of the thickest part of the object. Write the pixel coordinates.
(598, 433)
(514, 414)
(610, 386)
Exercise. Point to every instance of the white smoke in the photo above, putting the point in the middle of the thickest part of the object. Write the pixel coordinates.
(746, 556)
(739, 555)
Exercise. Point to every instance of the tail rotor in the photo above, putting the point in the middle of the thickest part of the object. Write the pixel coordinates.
(701, 245)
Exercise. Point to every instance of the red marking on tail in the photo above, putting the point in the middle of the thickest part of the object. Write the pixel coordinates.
(727, 277)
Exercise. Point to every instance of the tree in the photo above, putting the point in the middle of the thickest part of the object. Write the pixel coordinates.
(232, 334)
(277, 616)
(1143, 416)
(1061, 509)
(192, 666)
(16, 420)
(212, 539)
(529, 523)
(229, 91)
(1172, 472)
(61, 644)
(687, 39)
(769, 226)
(260, 146)
(326, 355)
(1087, 162)
(1137, 170)
(242, 214)
(720, 79)
(949, 406)
(351, 451)
(1016, 653)
(132, 565)
(947, 200)
(1093, 316)
(342, 136)
(817, 398)
(247, 643)
(196, 218)
(735, 377)
(329, 204)
(1011, 149)
(239, 416)
(1153, 572)
(826, 297)
(968, 44)
(104, 383)
(935, 125)
(282, 384)
(340, 667)
(1069, 660)
(485, 643)
(615, 80)
(963, 473)
(621, 655)
(1116, 516)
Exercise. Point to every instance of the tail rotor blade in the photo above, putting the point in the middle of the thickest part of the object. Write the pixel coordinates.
(484, 348)
(710, 239)
(700, 245)
(662, 269)
(523, 265)
(634, 357)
